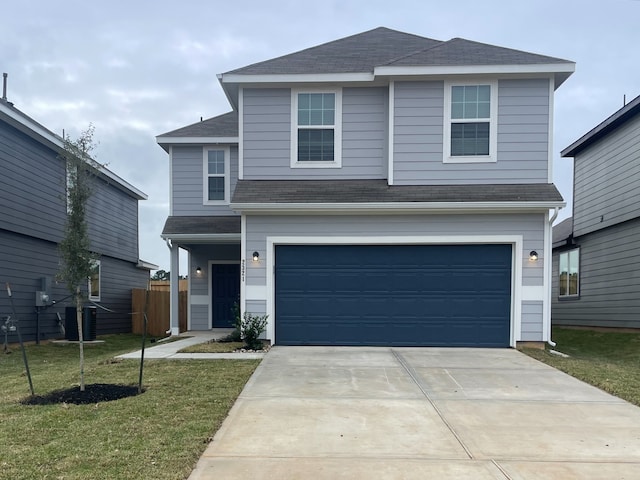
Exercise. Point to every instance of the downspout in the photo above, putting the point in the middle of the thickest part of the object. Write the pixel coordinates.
(551, 220)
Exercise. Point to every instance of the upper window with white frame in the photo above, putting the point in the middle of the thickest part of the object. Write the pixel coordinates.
(216, 176)
(316, 128)
(569, 274)
(470, 128)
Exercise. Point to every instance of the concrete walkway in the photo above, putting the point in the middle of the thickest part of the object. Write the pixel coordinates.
(169, 350)
(416, 413)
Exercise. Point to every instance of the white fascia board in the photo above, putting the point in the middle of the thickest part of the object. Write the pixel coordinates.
(144, 265)
(195, 140)
(395, 207)
(542, 68)
(298, 78)
(48, 138)
(201, 238)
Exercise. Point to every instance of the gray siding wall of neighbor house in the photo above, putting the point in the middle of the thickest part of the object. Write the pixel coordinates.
(187, 176)
(267, 135)
(609, 280)
(32, 187)
(200, 256)
(523, 136)
(25, 260)
(607, 179)
(112, 221)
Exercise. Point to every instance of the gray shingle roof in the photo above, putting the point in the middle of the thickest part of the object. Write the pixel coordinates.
(459, 51)
(357, 53)
(201, 225)
(383, 46)
(562, 231)
(377, 191)
(225, 125)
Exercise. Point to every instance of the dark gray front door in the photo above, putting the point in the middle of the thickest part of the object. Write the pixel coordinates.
(225, 292)
(404, 295)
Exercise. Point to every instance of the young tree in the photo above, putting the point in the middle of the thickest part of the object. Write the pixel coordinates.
(77, 259)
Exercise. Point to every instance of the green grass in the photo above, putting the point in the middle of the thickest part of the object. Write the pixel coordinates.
(607, 360)
(213, 347)
(157, 435)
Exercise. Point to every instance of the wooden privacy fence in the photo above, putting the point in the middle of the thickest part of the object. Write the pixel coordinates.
(157, 312)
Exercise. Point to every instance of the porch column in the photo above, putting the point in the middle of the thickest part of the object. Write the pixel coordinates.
(174, 299)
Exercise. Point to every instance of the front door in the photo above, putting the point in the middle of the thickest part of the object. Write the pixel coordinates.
(225, 292)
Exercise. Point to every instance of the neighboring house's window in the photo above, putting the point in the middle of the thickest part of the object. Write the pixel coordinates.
(94, 282)
(216, 175)
(470, 127)
(316, 128)
(570, 273)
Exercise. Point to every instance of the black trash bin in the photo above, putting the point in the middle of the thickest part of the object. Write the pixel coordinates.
(89, 316)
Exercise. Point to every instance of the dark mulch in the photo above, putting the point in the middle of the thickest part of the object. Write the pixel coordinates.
(94, 393)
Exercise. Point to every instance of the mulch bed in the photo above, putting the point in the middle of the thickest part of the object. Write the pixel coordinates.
(94, 393)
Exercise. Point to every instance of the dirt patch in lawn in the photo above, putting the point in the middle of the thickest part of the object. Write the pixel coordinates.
(93, 393)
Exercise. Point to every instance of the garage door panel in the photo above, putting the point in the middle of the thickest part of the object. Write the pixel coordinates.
(457, 295)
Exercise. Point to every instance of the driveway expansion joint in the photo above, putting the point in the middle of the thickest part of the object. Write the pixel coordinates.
(405, 365)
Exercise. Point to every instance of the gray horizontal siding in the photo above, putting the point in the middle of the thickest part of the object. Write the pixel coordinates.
(26, 259)
(200, 317)
(33, 199)
(187, 177)
(523, 136)
(609, 280)
(531, 326)
(32, 187)
(267, 135)
(607, 177)
(531, 226)
(112, 220)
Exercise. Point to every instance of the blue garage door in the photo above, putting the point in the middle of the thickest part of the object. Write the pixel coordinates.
(401, 295)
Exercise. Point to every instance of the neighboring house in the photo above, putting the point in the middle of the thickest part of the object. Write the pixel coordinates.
(381, 189)
(595, 258)
(32, 220)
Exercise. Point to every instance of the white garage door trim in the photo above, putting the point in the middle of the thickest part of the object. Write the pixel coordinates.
(516, 262)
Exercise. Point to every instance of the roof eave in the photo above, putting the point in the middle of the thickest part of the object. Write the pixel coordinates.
(55, 142)
(201, 237)
(397, 207)
(195, 140)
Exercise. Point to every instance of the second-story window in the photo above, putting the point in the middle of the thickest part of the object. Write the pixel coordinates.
(470, 123)
(316, 123)
(216, 175)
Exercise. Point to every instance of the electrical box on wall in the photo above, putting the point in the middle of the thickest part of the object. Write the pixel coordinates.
(42, 299)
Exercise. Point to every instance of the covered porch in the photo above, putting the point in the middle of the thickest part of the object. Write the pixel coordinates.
(213, 269)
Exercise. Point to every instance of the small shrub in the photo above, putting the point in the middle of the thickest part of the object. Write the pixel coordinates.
(252, 328)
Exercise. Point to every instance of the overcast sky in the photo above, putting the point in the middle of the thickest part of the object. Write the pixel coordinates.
(136, 69)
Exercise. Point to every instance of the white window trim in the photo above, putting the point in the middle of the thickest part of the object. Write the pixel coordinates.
(569, 295)
(493, 124)
(205, 176)
(95, 298)
(337, 129)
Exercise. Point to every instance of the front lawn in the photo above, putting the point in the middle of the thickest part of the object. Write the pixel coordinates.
(159, 434)
(607, 360)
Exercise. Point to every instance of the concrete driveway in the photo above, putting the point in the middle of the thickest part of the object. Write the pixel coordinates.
(416, 413)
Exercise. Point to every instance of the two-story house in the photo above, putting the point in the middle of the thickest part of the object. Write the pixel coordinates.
(33, 213)
(595, 257)
(380, 189)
